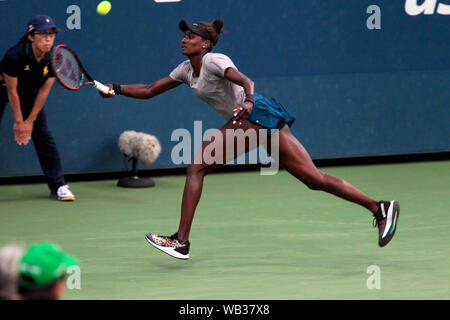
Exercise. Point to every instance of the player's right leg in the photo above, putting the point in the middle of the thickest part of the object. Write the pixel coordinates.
(232, 141)
(204, 162)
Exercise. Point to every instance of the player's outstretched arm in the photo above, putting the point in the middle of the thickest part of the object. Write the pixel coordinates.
(143, 91)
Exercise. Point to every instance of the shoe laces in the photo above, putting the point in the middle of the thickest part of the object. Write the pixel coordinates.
(64, 189)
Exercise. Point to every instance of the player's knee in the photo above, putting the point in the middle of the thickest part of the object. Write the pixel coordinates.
(315, 182)
(312, 185)
(191, 170)
(196, 169)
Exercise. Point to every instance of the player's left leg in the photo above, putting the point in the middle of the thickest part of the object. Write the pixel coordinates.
(296, 160)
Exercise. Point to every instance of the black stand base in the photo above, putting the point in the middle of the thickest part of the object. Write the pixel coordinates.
(136, 182)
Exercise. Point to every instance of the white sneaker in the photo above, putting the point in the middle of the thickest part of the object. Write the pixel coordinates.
(63, 194)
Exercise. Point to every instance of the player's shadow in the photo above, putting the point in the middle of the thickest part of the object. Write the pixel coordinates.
(170, 263)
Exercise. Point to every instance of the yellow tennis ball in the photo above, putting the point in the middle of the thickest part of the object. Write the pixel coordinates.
(103, 8)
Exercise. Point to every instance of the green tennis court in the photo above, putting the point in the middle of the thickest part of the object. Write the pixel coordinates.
(253, 237)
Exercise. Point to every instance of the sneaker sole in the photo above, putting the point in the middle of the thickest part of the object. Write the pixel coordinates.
(393, 226)
(62, 199)
(66, 199)
(170, 251)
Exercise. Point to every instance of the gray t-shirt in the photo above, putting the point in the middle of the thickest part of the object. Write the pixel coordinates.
(211, 86)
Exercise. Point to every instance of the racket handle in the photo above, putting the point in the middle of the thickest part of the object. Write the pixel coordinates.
(101, 87)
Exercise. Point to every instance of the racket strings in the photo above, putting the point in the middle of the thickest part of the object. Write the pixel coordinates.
(67, 68)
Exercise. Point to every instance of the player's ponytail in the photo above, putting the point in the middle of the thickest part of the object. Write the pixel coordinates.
(214, 29)
(218, 25)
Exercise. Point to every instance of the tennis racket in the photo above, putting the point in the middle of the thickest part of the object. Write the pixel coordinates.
(70, 72)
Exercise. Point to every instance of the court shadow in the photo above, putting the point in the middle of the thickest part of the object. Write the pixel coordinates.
(170, 263)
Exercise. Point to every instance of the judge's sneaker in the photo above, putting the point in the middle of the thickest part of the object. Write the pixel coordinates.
(386, 219)
(169, 245)
(63, 193)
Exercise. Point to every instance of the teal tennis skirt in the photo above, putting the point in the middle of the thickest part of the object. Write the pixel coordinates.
(270, 114)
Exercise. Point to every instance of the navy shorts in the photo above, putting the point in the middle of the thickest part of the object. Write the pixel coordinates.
(270, 114)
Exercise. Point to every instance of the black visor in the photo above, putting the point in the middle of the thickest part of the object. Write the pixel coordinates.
(196, 28)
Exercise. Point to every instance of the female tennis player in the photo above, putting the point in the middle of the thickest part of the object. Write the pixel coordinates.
(215, 79)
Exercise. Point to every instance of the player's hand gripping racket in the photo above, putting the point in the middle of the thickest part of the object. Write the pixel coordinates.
(70, 73)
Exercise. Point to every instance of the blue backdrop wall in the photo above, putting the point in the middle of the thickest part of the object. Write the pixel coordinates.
(355, 91)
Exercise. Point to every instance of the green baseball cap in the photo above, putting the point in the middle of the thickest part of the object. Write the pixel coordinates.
(43, 264)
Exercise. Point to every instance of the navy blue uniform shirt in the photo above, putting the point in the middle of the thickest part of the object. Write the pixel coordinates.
(19, 61)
